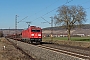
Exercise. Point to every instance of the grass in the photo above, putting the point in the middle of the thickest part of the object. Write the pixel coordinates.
(66, 38)
(80, 38)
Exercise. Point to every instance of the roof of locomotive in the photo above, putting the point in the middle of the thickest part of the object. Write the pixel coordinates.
(32, 27)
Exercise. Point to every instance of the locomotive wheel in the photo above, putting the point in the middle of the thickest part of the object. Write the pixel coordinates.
(31, 42)
(38, 42)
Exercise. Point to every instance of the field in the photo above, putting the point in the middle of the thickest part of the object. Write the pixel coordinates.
(66, 38)
(10, 52)
(75, 41)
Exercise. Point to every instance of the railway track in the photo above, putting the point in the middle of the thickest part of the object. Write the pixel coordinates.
(67, 52)
(78, 55)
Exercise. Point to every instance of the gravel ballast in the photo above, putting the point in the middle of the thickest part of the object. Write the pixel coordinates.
(44, 54)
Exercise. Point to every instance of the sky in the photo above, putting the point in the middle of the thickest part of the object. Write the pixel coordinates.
(35, 11)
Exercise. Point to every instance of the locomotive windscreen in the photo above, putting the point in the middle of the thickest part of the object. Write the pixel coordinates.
(35, 31)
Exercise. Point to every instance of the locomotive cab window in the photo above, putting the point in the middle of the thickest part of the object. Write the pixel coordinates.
(35, 30)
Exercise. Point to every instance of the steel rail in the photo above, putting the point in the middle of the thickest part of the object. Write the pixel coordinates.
(71, 53)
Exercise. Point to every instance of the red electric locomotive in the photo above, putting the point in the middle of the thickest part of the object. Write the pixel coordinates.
(32, 34)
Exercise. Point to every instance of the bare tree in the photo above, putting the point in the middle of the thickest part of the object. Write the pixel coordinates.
(69, 16)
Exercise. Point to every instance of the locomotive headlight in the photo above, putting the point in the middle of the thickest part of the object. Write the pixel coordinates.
(32, 34)
(39, 34)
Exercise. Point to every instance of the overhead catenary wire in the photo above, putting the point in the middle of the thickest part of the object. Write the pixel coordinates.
(45, 20)
(58, 7)
(68, 1)
(51, 10)
(44, 8)
(22, 19)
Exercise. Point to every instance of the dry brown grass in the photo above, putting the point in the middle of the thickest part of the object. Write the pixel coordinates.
(10, 52)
